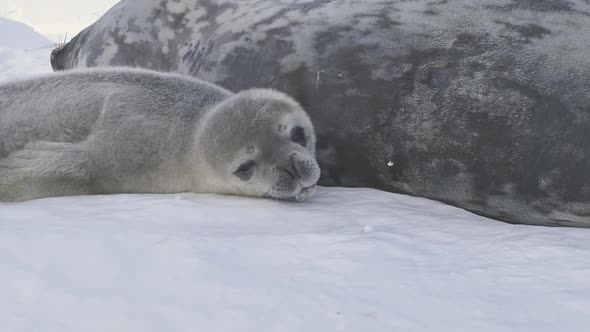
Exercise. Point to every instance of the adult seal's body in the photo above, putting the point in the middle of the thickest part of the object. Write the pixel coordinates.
(135, 131)
(481, 104)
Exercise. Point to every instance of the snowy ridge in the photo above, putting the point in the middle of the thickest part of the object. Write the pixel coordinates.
(18, 35)
(22, 50)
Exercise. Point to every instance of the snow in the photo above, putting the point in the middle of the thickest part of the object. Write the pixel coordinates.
(18, 35)
(22, 50)
(346, 260)
(56, 19)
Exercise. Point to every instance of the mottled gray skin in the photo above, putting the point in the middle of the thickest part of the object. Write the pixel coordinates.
(104, 131)
(481, 104)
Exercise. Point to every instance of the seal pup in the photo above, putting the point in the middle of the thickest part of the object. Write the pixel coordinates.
(122, 130)
(479, 104)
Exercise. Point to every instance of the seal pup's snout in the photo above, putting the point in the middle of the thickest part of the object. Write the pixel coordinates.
(307, 174)
(306, 170)
(297, 177)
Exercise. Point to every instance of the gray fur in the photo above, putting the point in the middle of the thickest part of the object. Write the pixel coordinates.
(481, 104)
(124, 130)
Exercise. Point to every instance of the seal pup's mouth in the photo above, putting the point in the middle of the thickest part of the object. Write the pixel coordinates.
(305, 193)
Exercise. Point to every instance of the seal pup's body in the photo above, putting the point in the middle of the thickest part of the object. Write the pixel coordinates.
(135, 131)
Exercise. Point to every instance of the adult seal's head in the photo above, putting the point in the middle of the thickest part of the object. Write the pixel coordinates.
(258, 143)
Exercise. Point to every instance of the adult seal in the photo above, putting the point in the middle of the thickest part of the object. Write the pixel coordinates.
(103, 131)
(481, 104)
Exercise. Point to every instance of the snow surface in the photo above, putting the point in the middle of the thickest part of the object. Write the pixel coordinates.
(346, 260)
(18, 35)
(22, 50)
(56, 19)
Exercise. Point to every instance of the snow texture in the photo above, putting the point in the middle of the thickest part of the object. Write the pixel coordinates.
(346, 260)
(18, 35)
(22, 50)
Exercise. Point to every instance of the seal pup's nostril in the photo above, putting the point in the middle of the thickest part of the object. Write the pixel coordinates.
(291, 173)
(294, 164)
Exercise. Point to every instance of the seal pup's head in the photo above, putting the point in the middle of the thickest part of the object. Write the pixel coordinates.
(258, 142)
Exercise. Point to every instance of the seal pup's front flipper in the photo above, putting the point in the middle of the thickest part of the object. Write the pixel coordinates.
(45, 167)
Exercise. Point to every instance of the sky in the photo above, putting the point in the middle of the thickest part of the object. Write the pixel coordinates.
(55, 18)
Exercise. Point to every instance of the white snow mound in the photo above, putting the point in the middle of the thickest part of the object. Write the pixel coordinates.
(15, 34)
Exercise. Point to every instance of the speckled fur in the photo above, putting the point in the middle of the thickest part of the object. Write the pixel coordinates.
(481, 104)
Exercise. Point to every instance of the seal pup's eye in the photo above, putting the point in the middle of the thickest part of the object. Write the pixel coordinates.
(246, 170)
(298, 136)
